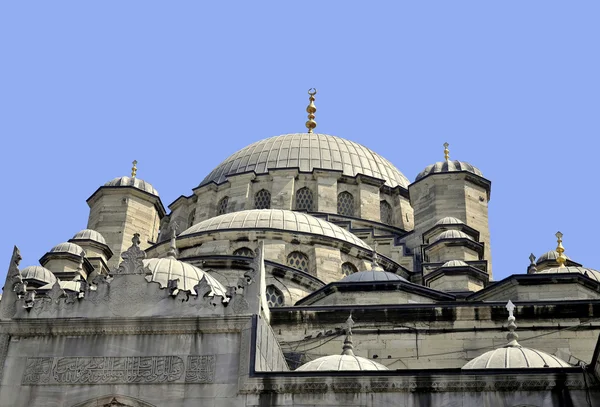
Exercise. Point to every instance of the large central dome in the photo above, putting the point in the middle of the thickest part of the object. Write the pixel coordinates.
(308, 151)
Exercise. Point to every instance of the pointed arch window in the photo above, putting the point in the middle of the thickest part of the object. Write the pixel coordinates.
(348, 268)
(192, 218)
(274, 296)
(298, 260)
(385, 212)
(244, 251)
(304, 200)
(262, 199)
(223, 205)
(345, 204)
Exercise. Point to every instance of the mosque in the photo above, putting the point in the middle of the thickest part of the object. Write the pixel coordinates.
(304, 270)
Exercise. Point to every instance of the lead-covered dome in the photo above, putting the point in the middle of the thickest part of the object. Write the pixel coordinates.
(591, 273)
(38, 274)
(89, 234)
(449, 220)
(375, 274)
(515, 357)
(451, 234)
(308, 151)
(132, 182)
(68, 247)
(275, 219)
(448, 166)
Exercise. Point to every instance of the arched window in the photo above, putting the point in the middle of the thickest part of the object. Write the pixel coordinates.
(348, 268)
(274, 296)
(298, 260)
(222, 205)
(345, 204)
(244, 251)
(385, 212)
(262, 199)
(304, 199)
(192, 218)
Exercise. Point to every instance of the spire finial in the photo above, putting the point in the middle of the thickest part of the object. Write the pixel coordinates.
(348, 346)
(446, 152)
(512, 335)
(134, 169)
(532, 268)
(173, 247)
(311, 110)
(561, 259)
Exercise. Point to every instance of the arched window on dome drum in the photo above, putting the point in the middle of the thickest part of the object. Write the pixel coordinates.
(345, 204)
(192, 218)
(304, 200)
(244, 251)
(274, 296)
(262, 199)
(385, 212)
(222, 205)
(348, 268)
(298, 260)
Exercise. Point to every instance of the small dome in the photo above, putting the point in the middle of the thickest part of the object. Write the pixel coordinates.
(372, 275)
(38, 273)
(455, 263)
(68, 247)
(451, 234)
(165, 269)
(340, 362)
(278, 219)
(89, 234)
(515, 357)
(591, 273)
(448, 166)
(132, 182)
(449, 220)
(550, 255)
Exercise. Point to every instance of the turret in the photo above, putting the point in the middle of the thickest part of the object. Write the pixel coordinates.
(122, 207)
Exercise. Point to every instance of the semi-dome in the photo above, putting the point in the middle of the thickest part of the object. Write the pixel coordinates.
(89, 234)
(449, 220)
(550, 255)
(372, 275)
(451, 234)
(68, 247)
(38, 274)
(448, 166)
(132, 182)
(454, 263)
(591, 273)
(169, 268)
(308, 151)
(276, 219)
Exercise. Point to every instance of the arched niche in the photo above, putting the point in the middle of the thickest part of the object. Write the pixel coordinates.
(114, 401)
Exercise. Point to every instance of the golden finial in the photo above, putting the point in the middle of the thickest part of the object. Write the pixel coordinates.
(561, 259)
(134, 169)
(446, 152)
(311, 109)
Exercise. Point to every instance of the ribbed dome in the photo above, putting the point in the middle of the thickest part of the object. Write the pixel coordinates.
(372, 275)
(449, 220)
(189, 276)
(39, 274)
(277, 219)
(515, 357)
(455, 263)
(340, 362)
(308, 152)
(451, 234)
(550, 255)
(448, 166)
(68, 247)
(591, 273)
(132, 182)
(89, 234)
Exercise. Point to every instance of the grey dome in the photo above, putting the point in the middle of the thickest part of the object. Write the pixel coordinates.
(68, 247)
(38, 273)
(341, 362)
(275, 219)
(132, 182)
(591, 273)
(550, 255)
(451, 234)
(514, 357)
(89, 234)
(308, 151)
(372, 275)
(455, 263)
(189, 276)
(448, 166)
(449, 220)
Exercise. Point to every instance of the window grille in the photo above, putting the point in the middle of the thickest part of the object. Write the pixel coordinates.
(298, 260)
(222, 206)
(274, 296)
(348, 268)
(244, 251)
(304, 199)
(345, 204)
(262, 199)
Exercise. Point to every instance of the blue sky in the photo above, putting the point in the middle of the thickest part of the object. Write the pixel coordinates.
(87, 87)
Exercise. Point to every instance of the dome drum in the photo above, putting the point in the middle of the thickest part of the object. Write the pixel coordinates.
(456, 276)
(430, 234)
